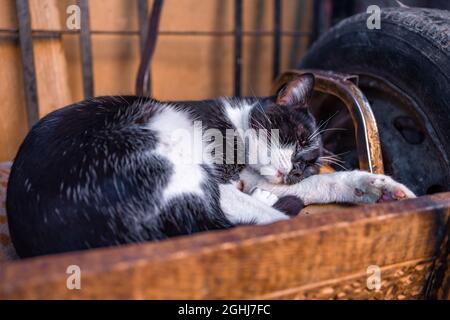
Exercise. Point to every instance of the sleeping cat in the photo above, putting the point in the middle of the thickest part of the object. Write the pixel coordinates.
(116, 170)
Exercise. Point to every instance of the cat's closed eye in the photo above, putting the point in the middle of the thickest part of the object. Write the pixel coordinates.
(296, 157)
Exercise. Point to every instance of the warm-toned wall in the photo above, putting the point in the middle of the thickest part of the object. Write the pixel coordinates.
(184, 67)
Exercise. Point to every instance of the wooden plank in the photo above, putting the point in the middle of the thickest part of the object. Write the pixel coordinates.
(254, 261)
(175, 80)
(399, 282)
(438, 285)
(185, 67)
(29, 71)
(51, 65)
(14, 123)
(7, 251)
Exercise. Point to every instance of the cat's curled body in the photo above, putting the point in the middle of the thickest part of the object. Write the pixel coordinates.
(110, 171)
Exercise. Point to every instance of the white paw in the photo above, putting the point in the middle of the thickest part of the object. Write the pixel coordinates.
(264, 196)
(371, 188)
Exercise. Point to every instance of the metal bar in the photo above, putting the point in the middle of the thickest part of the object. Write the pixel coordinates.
(86, 50)
(143, 21)
(143, 26)
(276, 38)
(237, 46)
(26, 48)
(317, 28)
(317, 5)
(366, 131)
(58, 33)
(142, 79)
(328, 8)
(322, 15)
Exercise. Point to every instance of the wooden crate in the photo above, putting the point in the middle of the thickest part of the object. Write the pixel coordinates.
(324, 253)
(321, 254)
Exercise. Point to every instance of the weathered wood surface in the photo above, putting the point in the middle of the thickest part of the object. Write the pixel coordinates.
(50, 62)
(322, 256)
(400, 281)
(14, 124)
(204, 62)
(438, 286)
(7, 251)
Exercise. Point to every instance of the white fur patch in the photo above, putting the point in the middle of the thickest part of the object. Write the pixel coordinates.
(241, 208)
(175, 132)
(283, 159)
(264, 196)
(239, 115)
(280, 161)
(268, 165)
(345, 186)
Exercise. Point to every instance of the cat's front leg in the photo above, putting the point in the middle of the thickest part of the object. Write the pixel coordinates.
(249, 183)
(350, 187)
(241, 208)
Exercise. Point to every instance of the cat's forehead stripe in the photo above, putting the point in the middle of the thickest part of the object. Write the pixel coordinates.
(238, 112)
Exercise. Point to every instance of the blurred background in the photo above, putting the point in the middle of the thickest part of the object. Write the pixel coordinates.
(195, 56)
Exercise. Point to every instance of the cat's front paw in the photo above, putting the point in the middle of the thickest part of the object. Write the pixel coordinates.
(370, 188)
(264, 196)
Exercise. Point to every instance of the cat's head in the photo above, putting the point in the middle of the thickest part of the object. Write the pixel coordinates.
(297, 155)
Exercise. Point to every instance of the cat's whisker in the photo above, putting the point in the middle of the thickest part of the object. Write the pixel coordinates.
(261, 108)
(261, 126)
(324, 123)
(339, 165)
(340, 154)
(315, 131)
(325, 130)
(333, 159)
(260, 105)
(335, 155)
(335, 162)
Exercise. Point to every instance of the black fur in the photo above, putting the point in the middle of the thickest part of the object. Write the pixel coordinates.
(296, 126)
(80, 179)
(79, 182)
(290, 205)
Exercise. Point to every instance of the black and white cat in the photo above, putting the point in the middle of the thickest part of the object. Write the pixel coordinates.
(115, 170)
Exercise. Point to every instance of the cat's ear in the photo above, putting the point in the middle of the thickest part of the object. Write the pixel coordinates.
(296, 92)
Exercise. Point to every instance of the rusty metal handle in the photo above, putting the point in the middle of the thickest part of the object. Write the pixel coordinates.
(344, 87)
(143, 76)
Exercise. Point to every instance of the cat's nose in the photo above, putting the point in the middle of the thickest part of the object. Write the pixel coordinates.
(280, 173)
